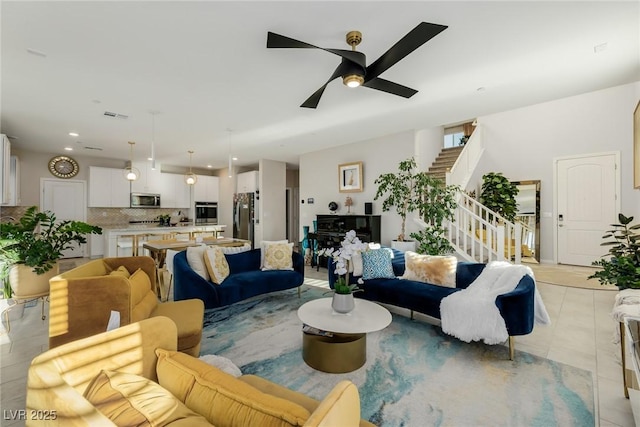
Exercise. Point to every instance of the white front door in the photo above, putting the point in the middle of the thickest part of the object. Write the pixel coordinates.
(587, 204)
(67, 200)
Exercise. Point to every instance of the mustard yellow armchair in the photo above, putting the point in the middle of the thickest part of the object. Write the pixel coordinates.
(82, 299)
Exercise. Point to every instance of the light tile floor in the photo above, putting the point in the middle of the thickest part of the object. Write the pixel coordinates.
(581, 335)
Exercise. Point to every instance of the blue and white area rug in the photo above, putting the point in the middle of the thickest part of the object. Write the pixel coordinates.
(414, 375)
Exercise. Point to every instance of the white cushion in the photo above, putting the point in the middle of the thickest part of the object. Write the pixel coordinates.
(195, 259)
(229, 250)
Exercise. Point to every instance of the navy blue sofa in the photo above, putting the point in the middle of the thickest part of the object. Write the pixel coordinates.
(516, 307)
(245, 279)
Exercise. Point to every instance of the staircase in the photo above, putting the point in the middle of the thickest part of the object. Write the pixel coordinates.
(444, 162)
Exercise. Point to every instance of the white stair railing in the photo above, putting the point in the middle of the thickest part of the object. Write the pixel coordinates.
(481, 235)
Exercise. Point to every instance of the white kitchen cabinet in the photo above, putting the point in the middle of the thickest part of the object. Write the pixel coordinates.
(5, 169)
(247, 182)
(108, 188)
(175, 192)
(206, 189)
(149, 181)
(96, 245)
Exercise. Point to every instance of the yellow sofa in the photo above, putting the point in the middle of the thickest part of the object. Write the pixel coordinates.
(81, 301)
(63, 387)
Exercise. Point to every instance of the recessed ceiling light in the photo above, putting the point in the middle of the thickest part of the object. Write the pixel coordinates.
(73, 134)
(209, 166)
(149, 158)
(68, 148)
(234, 158)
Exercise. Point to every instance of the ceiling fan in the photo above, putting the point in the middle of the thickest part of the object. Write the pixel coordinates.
(354, 70)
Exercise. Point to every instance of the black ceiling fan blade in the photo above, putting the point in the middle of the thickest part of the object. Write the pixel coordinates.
(390, 87)
(277, 41)
(313, 100)
(421, 34)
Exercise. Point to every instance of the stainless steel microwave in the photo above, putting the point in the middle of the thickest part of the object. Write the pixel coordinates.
(145, 200)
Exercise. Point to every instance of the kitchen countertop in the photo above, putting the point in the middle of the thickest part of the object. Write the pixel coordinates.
(154, 228)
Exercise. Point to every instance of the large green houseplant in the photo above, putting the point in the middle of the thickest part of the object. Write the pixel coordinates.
(439, 205)
(499, 195)
(621, 266)
(403, 191)
(37, 240)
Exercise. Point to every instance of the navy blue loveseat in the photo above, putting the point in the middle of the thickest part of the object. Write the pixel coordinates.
(244, 281)
(516, 307)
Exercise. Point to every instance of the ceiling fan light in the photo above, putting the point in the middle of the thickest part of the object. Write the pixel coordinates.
(353, 80)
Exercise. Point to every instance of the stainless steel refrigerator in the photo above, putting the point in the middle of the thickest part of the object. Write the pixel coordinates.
(243, 216)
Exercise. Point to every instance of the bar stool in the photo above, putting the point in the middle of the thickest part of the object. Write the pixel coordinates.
(127, 241)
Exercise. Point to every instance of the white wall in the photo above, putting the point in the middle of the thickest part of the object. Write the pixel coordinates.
(319, 178)
(272, 212)
(523, 143)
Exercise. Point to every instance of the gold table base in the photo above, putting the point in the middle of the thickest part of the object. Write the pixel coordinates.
(336, 355)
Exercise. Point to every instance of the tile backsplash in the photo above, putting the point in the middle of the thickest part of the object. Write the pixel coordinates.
(117, 216)
(103, 216)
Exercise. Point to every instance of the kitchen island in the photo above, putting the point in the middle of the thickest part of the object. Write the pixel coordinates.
(118, 240)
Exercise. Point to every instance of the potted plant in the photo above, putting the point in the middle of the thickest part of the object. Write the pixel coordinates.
(439, 204)
(621, 267)
(499, 195)
(32, 247)
(343, 291)
(411, 191)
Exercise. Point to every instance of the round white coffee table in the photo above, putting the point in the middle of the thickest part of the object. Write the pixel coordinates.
(344, 348)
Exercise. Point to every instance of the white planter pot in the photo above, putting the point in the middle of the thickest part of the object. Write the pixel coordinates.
(404, 246)
(343, 303)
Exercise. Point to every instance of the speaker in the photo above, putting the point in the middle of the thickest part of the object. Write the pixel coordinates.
(368, 208)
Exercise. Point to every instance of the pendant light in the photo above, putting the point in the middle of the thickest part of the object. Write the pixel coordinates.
(190, 178)
(129, 172)
(153, 139)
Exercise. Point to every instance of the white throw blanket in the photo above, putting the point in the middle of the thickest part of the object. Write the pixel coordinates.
(472, 315)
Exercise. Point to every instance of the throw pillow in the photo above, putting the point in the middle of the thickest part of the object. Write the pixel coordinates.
(132, 400)
(216, 263)
(121, 271)
(220, 397)
(277, 256)
(143, 299)
(230, 250)
(195, 259)
(376, 264)
(437, 270)
(263, 247)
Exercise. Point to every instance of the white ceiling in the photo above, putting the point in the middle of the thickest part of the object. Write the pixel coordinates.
(205, 67)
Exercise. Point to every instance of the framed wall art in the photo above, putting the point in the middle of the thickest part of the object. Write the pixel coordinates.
(350, 177)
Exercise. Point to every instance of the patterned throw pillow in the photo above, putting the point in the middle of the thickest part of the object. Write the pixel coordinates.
(217, 265)
(263, 249)
(376, 264)
(436, 270)
(277, 256)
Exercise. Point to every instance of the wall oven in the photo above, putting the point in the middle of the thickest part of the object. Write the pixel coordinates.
(206, 213)
(145, 200)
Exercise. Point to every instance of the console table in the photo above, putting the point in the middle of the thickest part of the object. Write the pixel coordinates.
(332, 228)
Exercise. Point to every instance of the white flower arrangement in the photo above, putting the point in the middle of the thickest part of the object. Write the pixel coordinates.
(350, 245)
